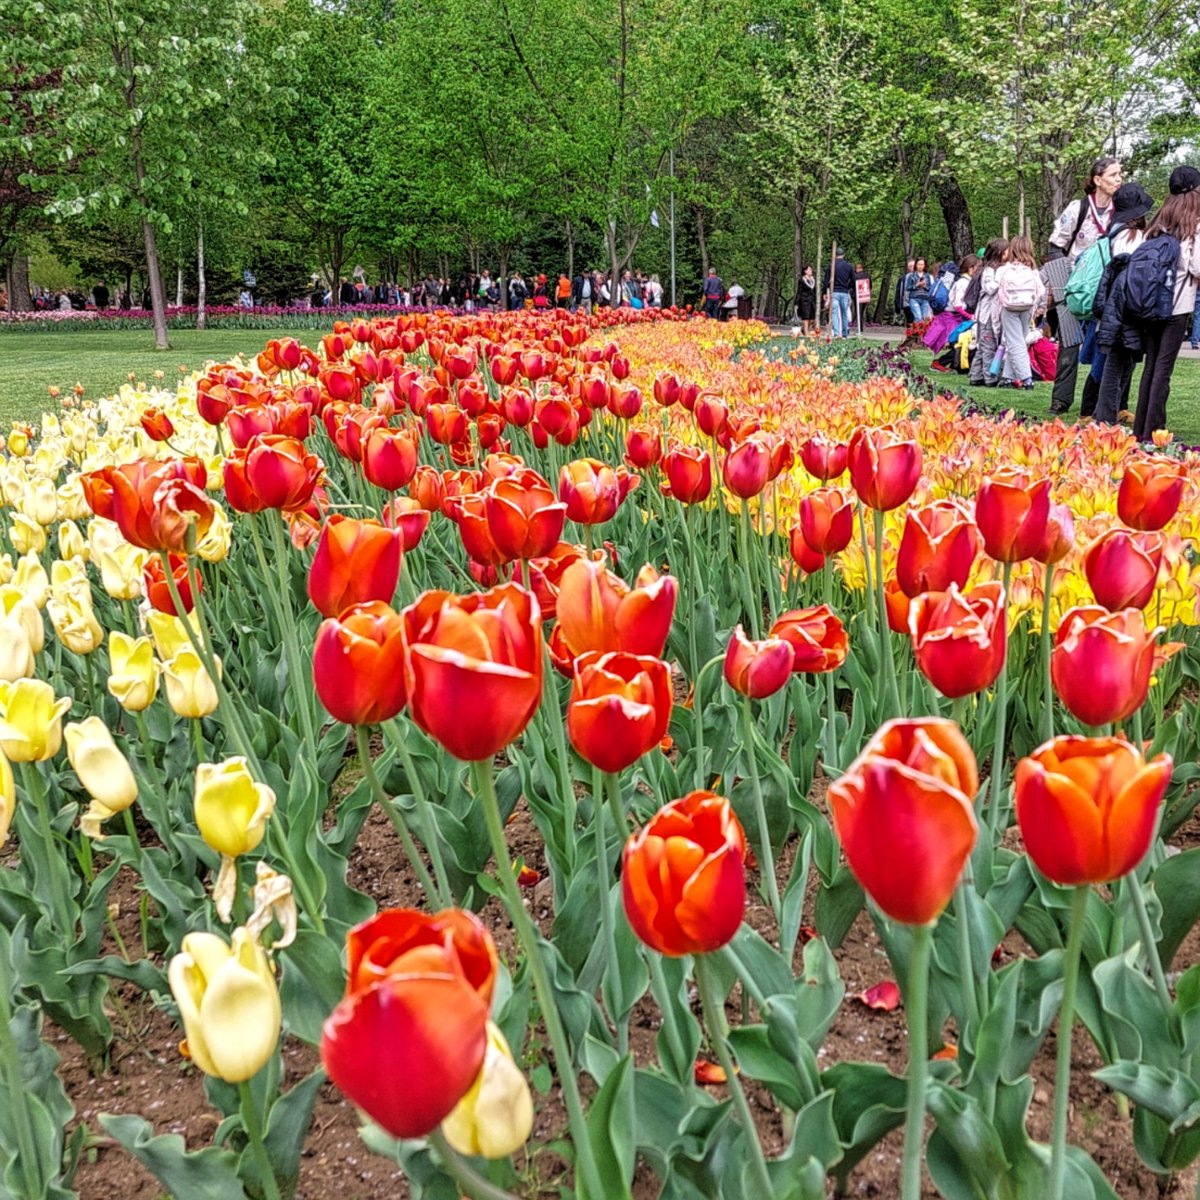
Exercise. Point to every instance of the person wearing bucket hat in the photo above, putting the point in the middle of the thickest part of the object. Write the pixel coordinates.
(1178, 218)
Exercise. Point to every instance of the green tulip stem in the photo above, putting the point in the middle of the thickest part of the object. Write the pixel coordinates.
(379, 793)
(89, 677)
(1139, 736)
(551, 710)
(135, 844)
(1047, 729)
(299, 675)
(604, 889)
(748, 574)
(1149, 943)
(469, 1181)
(612, 793)
(866, 549)
(443, 891)
(151, 766)
(712, 1001)
(198, 739)
(827, 583)
(1066, 1021)
(698, 713)
(1001, 742)
(832, 761)
(887, 663)
(916, 1005)
(694, 586)
(35, 789)
(252, 1120)
(767, 864)
(590, 1185)
(966, 964)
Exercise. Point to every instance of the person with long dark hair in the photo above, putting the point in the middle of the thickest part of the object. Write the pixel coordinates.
(1179, 218)
(1082, 223)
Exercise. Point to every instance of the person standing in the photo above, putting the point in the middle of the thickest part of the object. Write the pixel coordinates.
(654, 292)
(900, 296)
(987, 313)
(562, 297)
(1179, 218)
(1020, 292)
(841, 287)
(806, 300)
(730, 307)
(1082, 223)
(1195, 338)
(714, 294)
(918, 287)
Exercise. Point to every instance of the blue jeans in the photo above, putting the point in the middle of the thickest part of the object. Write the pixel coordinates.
(1195, 338)
(920, 309)
(840, 316)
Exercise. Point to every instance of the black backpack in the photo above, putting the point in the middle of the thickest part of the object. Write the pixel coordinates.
(1150, 280)
(974, 292)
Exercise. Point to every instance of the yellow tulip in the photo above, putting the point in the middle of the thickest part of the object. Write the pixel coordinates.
(68, 576)
(495, 1117)
(75, 622)
(6, 568)
(133, 677)
(30, 576)
(103, 771)
(40, 501)
(72, 503)
(30, 720)
(8, 798)
(121, 570)
(170, 634)
(71, 542)
(231, 809)
(190, 689)
(229, 1004)
(16, 654)
(26, 535)
(18, 443)
(16, 604)
(214, 546)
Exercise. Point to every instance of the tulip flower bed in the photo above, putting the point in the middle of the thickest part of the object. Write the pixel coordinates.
(524, 729)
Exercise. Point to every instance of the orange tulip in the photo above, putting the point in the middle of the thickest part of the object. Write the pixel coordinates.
(447, 423)
(469, 513)
(826, 520)
(903, 814)
(898, 606)
(409, 518)
(358, 664)
(158, 591)
(154, 503)
(157, 425)
(619, 709)
(683, 876)
(274, 471)
(479, 655)
(1011, 512)
(747, 468)
(816, 636)
(937, 549)
(1088, 807)
(1122, 568)
(643, 447)
(1059, 539)
(689, 474)
(803, 555)
(711, 414)
(1150, 492)
(428, 488)
(408, 1040)
(356, 561)
(593, 491)
(1102, 663)
(823, 458)
(389, 457)
(524, 519)
(757, 669)
(959, 638)
(884, 467)
(599, 611)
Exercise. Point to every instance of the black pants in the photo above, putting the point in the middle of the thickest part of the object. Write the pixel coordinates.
(1162, 343)
(1063, 395)
(1114, 387)
(1091, 394)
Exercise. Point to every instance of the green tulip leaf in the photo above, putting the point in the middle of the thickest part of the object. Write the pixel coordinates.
(208, 1174)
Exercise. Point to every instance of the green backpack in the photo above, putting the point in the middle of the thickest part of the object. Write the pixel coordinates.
(1080, 292)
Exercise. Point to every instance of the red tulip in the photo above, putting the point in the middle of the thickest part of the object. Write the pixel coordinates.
(1088, 807)
(154, 503)
(816, 636)
(158, 591)
(518, 406)
(428, 488)
(823, 458)
(937, 549)
(389, 457)
(1122, 568)
(643, 447)
(358, 664)
(408, 1040)
(898, 606)
(469, 513)
(903, 814)
(479, 655)
(523, 517)
(712, 415)
(1101, 663)
(356, 561)
(666, 388)
(446, 423)
(1059, 539)
(689, 474)
(213, 401)
(757, 669)
(619, 709)
(683, 876)
(273, 471)
(1011, 512)
(1150, 492)
(157, 425)
(959, 638)
(747, 468)
(592, 491)
(826, 520)
(803, 555)
(884, 468)
(406, 515)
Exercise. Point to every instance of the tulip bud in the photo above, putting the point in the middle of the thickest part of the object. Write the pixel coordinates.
(30, 576)
(213, 547)
(191, 691)
(30, 720)
(133, 673)
(17, 659)
(26, 535)
(757, 669)
(103, 771)
(495, 1117)
(228, 1002)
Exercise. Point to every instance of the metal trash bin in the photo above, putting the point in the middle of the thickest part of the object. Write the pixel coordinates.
(745, 308)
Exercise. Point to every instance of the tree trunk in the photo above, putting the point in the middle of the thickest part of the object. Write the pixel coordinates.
(179, 283)
(798, 205)
(19, 297)
(201, 279)
(906, 222)
(614, 281)
(502, 279)
(570, 251)
(817, 275)
(957, 215)
(700, 237)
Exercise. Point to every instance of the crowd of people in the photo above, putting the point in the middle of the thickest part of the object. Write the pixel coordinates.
(1117, 286)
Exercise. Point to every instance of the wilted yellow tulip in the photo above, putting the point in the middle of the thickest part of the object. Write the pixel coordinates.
(231, 809)
(103, 771)
(133, 677)
(121, 570)
(30, 720)
(18, 443)
(75, 622)
(30, 576)
(71, 542)
(26, 535)
(16, 604)
(16, 654)
(495, 1117)
(273, 901)
(190, 689)
(214, 546)
(40, 501)
(68, 576)
(229, 1003)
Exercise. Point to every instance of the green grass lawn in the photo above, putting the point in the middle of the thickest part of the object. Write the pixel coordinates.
(32, 362)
